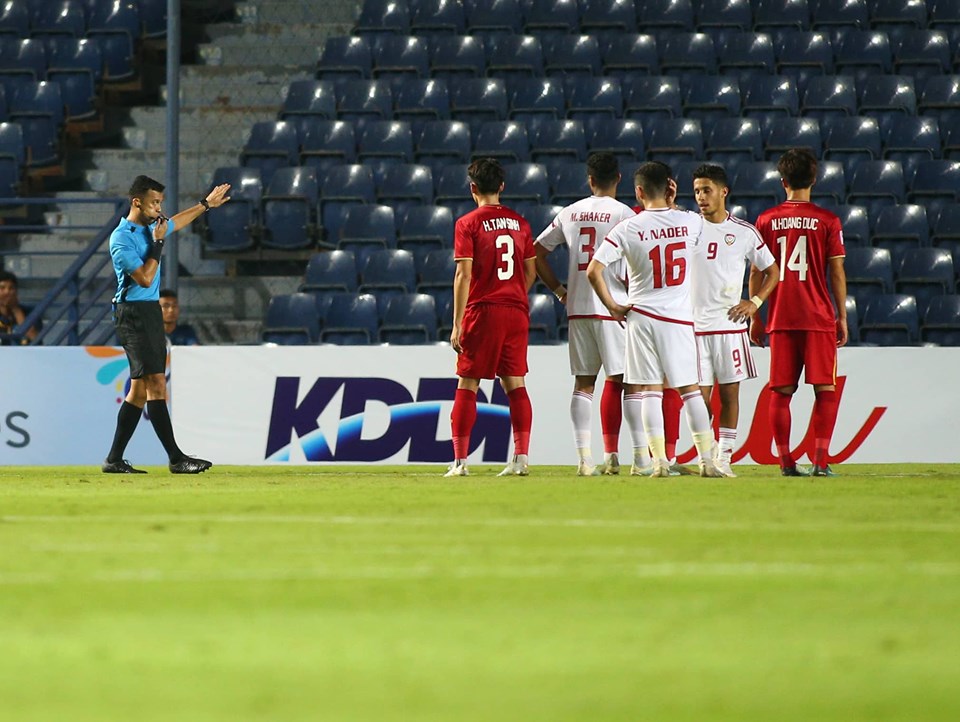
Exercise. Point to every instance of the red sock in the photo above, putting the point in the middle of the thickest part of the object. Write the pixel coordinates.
(521, 418)
(780, 422)
(462, 418)
(672, 403)
(611, 415)
(824, 419)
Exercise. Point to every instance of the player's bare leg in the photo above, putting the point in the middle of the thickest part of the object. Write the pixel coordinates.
(581, 407)
(521, 418)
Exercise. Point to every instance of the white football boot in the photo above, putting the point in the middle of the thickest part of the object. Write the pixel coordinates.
(517, 467)
(585, 468)
(457, 470)
(709, 469)
(611, 467)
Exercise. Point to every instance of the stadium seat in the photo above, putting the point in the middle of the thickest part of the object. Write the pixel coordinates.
(940, 98)
(890, 320)
(343, 186)
(769, 96)
(851, 140)
(564, 139)
(731, 140)
(406, 186)
(566, 55)
(525, 182)
(710, 96)
(388, 273)
(608, 15)
(805, 55)
(366, 229)
(900, 228)
(935, 184)
(292, 319)
(76, 75)
(946, 230)
(652, 96)
(442, 142)
(330, 271)
(289, 205)
(452, 184)
(488, 17)
(863, 53)
(272, 144)
(351, 320)
(436, 272)
(855, 223)
(438, 17)
(922, 53)
(941, 322)
(424, 229)
(745, 53)
(758, 180)
(542, 216)
(898, 16)
(885, 94)
(42, 140)
(831, 183)
(381, 17)
(506, 140)
(307, 101)
(910, 140)
(569, 185)
(869, 273)
(65, 53)
(846, 14)
(326, 143)
(670, 15)
(629, 54)
(345, 58)
(853, 321)
(456, 57)
(58, 18)
(551, 16)
(925, 273)
(400, 56)
(40, 99)
(420, 100)
(475, 100)
(672, 140)
(724, 15)
(14, 19)
(515, 56)
(23, 57)
(543, 319)
(785, 133)
(687, 54)
(830, 96)
(362, 100)
(232, 228)
(536, 98)
(623, 138)
(386, 139)
(876, 184)
(409, 319)
(9, 173)
(593, 97)
(781, 14)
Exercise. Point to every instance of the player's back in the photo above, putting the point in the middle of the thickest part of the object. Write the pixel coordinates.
(802, 237)
(657, 245)
(582, 225)
(498, 240)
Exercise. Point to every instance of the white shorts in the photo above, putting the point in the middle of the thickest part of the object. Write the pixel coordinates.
(725, 358)
(658, 350)
(595, 343)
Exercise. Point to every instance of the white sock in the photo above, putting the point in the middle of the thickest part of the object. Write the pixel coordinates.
(698, 419)
(728, 440)
(581, 404)
(652, 414)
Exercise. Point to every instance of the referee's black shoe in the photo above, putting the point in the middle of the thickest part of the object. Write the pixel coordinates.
(119, 467)
(189, 465)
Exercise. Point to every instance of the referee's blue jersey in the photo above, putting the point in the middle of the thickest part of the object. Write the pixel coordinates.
(129, 246)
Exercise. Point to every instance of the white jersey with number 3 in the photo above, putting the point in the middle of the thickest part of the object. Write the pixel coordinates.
(583, 226)
(718, 270)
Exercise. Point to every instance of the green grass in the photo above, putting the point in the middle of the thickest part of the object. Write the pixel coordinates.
(389, 594)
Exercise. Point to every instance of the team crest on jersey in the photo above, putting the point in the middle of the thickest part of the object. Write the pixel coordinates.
(729, 239)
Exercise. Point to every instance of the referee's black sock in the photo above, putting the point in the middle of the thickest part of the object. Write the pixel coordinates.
(160, 418)
(127, 419)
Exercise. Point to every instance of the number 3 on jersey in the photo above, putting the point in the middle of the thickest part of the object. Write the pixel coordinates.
(505, 264)
(797, 260)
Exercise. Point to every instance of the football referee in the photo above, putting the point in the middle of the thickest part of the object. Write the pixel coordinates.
(136, 246)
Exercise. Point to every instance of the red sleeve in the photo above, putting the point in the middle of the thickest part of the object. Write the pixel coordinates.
(463, 239)
(835, 239)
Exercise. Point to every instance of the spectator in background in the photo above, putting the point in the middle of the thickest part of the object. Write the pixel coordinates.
(179, 334)
(12, 314)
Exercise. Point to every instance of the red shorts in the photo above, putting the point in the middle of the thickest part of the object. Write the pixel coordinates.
(813, 351)
(494, 342)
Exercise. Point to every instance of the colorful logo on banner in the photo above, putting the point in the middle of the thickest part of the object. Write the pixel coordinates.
(413, 418)
(115, 372)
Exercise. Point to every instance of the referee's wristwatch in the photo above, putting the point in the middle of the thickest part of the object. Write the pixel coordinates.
(203, 202)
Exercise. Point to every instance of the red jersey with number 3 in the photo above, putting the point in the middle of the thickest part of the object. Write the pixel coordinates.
(497, 240)
(802, 237)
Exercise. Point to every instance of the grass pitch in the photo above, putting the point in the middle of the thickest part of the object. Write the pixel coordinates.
(389, 594)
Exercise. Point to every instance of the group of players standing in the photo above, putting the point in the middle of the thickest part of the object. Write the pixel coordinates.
(654, 298)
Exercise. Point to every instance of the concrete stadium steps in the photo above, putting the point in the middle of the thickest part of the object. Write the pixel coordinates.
(260, 88)
(110, 171)
(277, 12)
(272, 45)
(202, 130)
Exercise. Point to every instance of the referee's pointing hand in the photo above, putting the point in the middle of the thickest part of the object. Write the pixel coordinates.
(218, 196)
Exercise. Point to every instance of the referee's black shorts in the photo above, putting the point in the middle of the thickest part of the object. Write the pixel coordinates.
(140, 330)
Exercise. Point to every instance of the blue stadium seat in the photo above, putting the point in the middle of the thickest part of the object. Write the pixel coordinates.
(629, 54)
(42, 140)
(622, 137)
(563, 139)
(652, 96)
(686, 54)
(869, 273)
(863, 53)
(941, 322)
(536, 99)
(116, 28)
(890, 320)
(307, 101)
(781, 14)
(745, 53)
(400, 56)
(565, 55)
(851, 140)
(593, 97)
(925, 273)
(380, 17)
(351, 320)
(951, 141)
(438, 17)
(292, 319)
(940, 98)
(710, 96)
(344, 186)
(455, 57)
(942, 14)
(897, 17)
(409, 319)
(436, 272)
(659, 15)
(41, 99)
(730, 140)
(884, 94)
(758, 180)
(422, 100)
(946, 230)
(923, 53)
(672, 140)
(78, 89)
(551, 16)
(23, 57)
(769, 96)
(326, 143)
(909, 140)
(506, 140)
(15, 19)
(785, 133)
(831, 184)
(900, 228)
(829, 96)
(64, 53)
(443, 141)
(855, 222)
(388, 273)
(539, 217)
(366, 229)
(876, 184)
(364, 100)
(847, 14)
(485, 17)
(232, 228)
(515, 56)
(406, 186)
(58, 17)
(569, 185)
(330, 271)
(153, 16)
(935, 184)
(608, 15)
(525, 182)
(385, 140)
(853, 321)
(724, 15)
(543, 319)
(805, 55)
(121, 16)
(289, 204)
(478, 99)
(452, 185)
(272, 144)
(424, 229)
(10, 172)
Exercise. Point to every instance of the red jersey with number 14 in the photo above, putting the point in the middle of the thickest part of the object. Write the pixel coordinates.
(498, 240)
(802, 237)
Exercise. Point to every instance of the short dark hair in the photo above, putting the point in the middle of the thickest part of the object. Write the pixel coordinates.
(168, 293)
(603, 167)
(142, 183)
(9, 277)
(712, 172)
(798, 167)
(487, 174)
(653, 177)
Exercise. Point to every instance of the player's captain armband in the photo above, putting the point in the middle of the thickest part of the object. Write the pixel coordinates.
(756, 301)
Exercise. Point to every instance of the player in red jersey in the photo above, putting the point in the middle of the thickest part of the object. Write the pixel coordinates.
(496, 266)
(804, 327)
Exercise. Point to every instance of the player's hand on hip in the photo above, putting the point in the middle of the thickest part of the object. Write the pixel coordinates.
(758, 333)
(218, 196)
(843, 333)
(455, 340)
(619, 312)
(742, 311)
